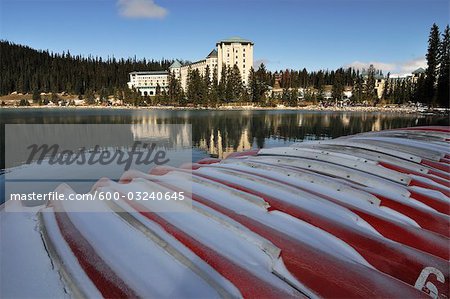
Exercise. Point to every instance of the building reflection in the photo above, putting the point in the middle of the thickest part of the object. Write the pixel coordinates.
(222, 133)
(216, 146)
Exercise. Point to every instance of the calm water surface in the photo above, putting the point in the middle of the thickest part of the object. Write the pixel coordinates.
(218, 133)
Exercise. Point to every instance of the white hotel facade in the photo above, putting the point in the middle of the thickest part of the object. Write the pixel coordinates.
(228, 52)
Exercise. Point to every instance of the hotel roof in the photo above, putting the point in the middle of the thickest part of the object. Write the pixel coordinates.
(213, 54)
(150, 73)
(175, 64)
(235, 39)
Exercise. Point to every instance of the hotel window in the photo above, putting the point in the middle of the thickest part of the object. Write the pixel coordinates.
(228, 55)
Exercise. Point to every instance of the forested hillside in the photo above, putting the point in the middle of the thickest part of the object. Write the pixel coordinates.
(25, 70)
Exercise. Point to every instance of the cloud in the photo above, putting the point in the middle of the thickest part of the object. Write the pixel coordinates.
(413, 64)
(399, 67)
(387, 67)
(147, 9)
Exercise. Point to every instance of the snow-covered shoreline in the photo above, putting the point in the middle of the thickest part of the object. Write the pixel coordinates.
(311, 108)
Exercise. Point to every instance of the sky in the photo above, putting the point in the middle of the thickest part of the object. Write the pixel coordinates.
(288, 34)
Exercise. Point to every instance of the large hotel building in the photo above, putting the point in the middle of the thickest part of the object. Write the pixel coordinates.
(228, 52)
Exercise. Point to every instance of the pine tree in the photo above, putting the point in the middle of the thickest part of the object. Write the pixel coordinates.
(338, 87)
(214, 93)
(54, 98)
(409, 91)
(285, 96)
(293, 99)
(24, 102)
(207, 86)
(253, 86)
(444, 68)
(263, 81)
(235, 83)
(103, 96)
(385, 94)
(264, 76)
(158, 89)
(245, 95)
(319, 80)
(207, 77)
(229, 85)
(419, 89)
(190, 85)
(196, 90)
(221, 88)
(158, 95)
(257, 84)
(432, 62)
(369, 91)
(174, 89)
(401, 92)
(357, 94)
(36, 96)
(90, 97)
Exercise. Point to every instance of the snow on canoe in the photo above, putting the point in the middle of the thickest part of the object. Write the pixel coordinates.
(359, 216)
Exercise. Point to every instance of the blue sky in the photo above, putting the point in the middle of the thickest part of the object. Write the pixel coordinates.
(321, 34)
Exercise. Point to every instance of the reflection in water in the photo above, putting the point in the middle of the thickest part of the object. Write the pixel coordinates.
(217, 148)
(216, 133)
(177, 135)
(222, 132)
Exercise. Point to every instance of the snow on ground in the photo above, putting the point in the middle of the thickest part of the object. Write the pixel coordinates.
(26, 269)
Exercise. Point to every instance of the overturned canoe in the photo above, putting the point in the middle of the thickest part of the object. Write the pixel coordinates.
(358, 216)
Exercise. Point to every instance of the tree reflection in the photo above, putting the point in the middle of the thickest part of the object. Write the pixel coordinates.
(223, 132)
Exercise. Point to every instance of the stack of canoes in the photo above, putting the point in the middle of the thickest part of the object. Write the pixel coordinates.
(359, 216)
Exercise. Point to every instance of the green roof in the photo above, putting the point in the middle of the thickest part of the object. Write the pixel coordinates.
(212, 54)
(175, 64)
(235, 39)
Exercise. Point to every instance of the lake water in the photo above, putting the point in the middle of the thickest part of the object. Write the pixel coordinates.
(218, 133)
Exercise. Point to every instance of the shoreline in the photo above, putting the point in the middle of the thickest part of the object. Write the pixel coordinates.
(311, 108)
